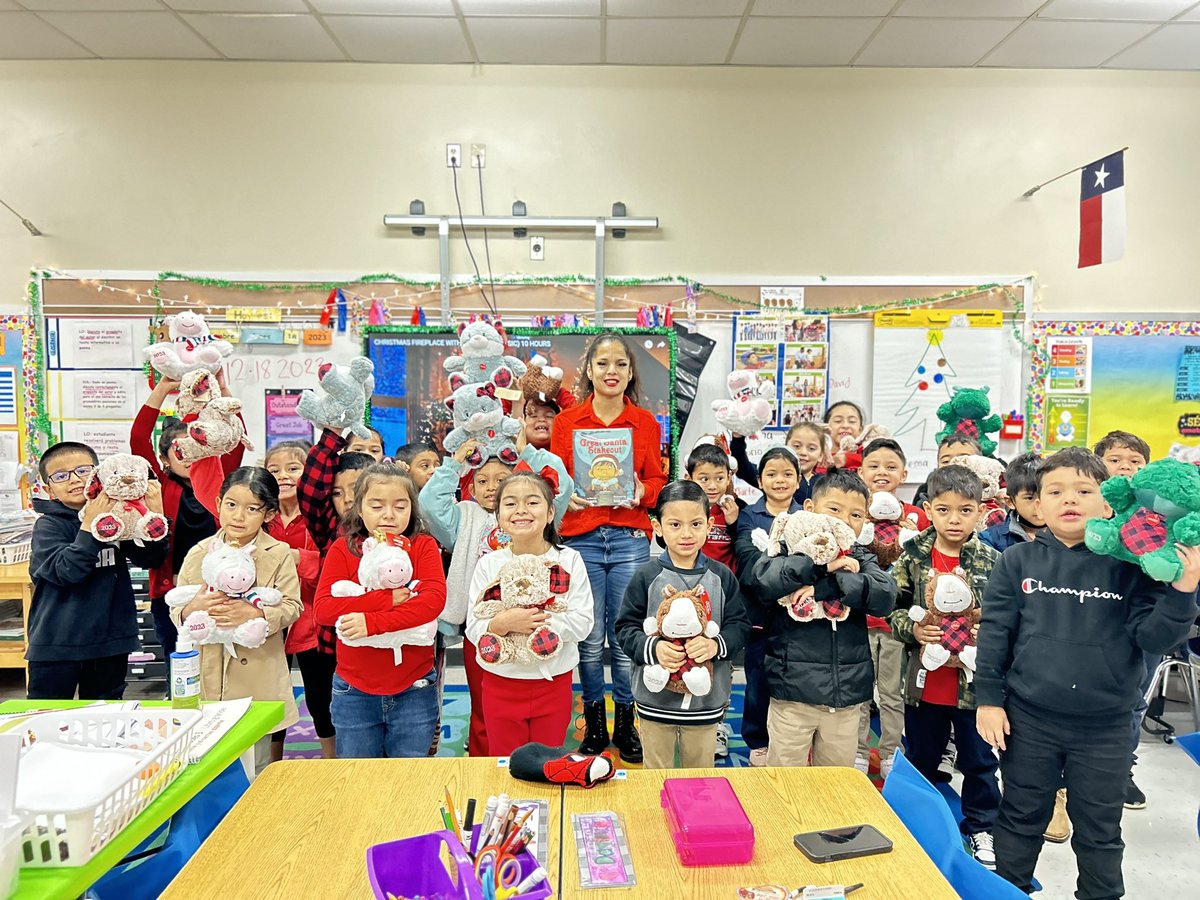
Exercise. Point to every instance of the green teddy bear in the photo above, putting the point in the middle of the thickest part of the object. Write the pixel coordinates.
(1155, 509)
(967, 415)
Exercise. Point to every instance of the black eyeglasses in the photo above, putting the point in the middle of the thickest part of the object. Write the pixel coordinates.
(65, 475)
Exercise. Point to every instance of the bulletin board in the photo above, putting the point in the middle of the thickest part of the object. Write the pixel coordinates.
(1092, 377)
(17, 405)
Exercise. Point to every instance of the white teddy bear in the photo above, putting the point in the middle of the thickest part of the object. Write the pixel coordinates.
(230, 570)
(822, 539)
(385, 566)
(748, 410)
(483, 359)
(191, 347)
(125, 478)
(216, 430)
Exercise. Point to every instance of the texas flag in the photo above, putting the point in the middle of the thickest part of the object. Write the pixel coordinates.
(1102, 211)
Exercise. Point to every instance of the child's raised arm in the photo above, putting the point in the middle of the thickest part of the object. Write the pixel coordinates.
(141, 435)
(439, 509)
(1159, 615)
(314, 490)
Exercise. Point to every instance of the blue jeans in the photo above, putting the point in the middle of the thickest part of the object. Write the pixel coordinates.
(1139, 711)
(611, 555)
(927, 729)
(391, 726)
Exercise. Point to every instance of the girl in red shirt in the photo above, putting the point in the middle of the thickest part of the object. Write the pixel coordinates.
(382, 708)
(613, 540)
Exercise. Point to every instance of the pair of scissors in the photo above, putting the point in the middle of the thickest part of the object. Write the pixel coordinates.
(506, 869)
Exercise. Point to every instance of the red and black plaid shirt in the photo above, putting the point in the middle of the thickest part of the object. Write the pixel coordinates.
(315, 493)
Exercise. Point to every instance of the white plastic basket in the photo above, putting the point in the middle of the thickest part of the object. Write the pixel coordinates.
(11, 554)
(72, 836)
(10, 851)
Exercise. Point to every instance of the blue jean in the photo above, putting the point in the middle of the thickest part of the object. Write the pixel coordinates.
(1139, 711)
(611, 555)
(758, 692)
(392, 726)
(927, 728)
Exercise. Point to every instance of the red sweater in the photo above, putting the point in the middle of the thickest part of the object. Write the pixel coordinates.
(647, 461)
(372, 670)
(302, 634)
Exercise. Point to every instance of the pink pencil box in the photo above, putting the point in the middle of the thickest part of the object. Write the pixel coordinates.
(707, 822)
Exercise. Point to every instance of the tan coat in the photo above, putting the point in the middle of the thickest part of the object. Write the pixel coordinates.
(263, 673)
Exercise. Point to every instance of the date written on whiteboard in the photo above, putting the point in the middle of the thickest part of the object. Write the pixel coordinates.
(274, 370)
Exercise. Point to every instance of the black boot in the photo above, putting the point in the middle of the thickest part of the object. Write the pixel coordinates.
(625, 734)
(595, 738)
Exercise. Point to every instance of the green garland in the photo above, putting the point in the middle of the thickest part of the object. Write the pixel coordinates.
(41, 419)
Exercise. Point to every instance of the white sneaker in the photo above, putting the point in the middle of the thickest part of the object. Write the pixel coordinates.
(758, 757)
(723, 733)
(885, 767)
(863, 765)
(983, 851)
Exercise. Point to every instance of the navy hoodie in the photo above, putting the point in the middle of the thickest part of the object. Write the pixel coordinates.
(1063, 629)
(83, 605)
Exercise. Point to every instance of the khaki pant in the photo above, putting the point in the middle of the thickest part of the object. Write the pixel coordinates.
(797, 728)
(887, 654)
(697, 745)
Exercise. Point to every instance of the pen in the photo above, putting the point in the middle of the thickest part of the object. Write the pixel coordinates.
(854, 887)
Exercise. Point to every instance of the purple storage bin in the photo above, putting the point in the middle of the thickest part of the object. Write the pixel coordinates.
(414, 866)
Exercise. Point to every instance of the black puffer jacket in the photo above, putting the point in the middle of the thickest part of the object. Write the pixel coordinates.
(814, 662)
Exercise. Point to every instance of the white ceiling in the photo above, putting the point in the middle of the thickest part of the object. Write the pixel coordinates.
(1118, 34)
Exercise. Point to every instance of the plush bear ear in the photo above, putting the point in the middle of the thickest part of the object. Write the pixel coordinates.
(94, 487)
(323, 370)
(461, 327)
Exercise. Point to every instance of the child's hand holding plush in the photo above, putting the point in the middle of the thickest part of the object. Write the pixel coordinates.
(670, 656)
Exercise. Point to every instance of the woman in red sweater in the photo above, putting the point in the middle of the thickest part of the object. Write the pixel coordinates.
(613, 540)
(381, 708)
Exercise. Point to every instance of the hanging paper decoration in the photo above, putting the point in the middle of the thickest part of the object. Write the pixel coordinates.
(668, 317)
(341, 311)
(378, 314)
(418, 316)
(327, 313)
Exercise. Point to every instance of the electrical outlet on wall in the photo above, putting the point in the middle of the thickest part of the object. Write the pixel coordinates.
(478, 156)
(537, 247)
(454, 156)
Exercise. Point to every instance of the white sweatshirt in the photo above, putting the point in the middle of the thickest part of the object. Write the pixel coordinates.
(572, 626)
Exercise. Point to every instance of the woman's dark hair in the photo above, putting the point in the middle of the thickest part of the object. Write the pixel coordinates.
(258, 481)
(784, 453)
(172, 428)
(376, 473)
(862, 419)
(299, 448)
(550, 534)
(585, 388)
(680, 492)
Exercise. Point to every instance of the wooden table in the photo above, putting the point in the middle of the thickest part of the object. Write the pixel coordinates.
(261, 719)
(15, 585)
(304, 826)
(780, 802)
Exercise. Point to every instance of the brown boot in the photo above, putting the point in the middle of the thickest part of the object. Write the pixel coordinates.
(1059, 829)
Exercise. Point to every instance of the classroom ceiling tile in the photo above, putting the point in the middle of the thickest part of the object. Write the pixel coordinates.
(132, 35)
(238, 6)
(530, 7)
(385, 7)
(24, 36)
(802, 42)
(1192, 15)
(91, 5)
(401, 39)
(536, 41)
(1050, 45)
(669, 42)
(1129, 10)
(8, 4)
(970, 9)
(934, 42)
(651, 9)
(298, 38)
(1174, 46)
(822, 7)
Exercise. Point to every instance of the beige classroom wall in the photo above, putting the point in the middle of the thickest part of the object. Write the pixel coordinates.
(249, 167)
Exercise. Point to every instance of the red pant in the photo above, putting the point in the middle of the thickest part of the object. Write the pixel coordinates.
(519, 711)
(477, 739)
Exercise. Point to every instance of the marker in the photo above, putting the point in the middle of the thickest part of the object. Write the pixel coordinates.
(503, 805)
(469, 822)
(536, 877)
(488, 813)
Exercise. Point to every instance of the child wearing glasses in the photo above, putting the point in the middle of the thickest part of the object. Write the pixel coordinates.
(83, 623)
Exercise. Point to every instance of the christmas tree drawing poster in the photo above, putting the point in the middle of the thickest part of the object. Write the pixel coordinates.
(920, 357)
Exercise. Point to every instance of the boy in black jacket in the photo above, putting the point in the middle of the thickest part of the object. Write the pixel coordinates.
(1058, 667)
(820, 672)
(83, 622)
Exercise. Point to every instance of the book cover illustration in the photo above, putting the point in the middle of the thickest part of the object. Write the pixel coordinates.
(604, 465)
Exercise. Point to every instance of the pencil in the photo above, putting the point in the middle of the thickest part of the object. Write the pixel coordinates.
(456, 826)
(516, 829)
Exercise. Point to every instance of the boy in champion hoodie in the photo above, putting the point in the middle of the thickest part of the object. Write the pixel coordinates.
(83, 621)
(1058, 670)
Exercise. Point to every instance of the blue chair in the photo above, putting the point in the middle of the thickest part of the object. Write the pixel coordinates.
(924, 813)
(1191, 744)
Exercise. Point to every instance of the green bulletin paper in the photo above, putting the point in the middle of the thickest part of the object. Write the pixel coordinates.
(1066, 422)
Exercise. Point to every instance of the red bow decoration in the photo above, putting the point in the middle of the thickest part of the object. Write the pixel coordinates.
(486, 390)
(548, 474)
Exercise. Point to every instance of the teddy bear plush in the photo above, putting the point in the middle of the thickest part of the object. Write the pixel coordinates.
(215, 431)
(681, 615)
(950, 605)
(196, 389)
(124, 478)
(991, 473)
(385, 566)
(543, 382)
(747, 411)
(347, 390)
(968, 414)
(889, 530)
(856, 443)
(1153, 510)
(231, 570)
(191, 347)
(483, 359)
(479, 417)
(525, 581)
(822, 539)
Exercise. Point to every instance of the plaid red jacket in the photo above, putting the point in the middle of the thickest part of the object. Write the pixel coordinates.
(315, 494)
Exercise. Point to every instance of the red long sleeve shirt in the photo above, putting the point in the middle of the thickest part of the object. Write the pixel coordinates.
(647, 460)
(302, 635)
(372, 670)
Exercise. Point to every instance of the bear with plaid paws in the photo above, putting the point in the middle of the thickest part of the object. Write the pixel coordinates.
(125, 478)
(889, 529)
(483, 359)
(950, 605)
(479, 417)
(681, 615)
(1153, 510)
(529, 582)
